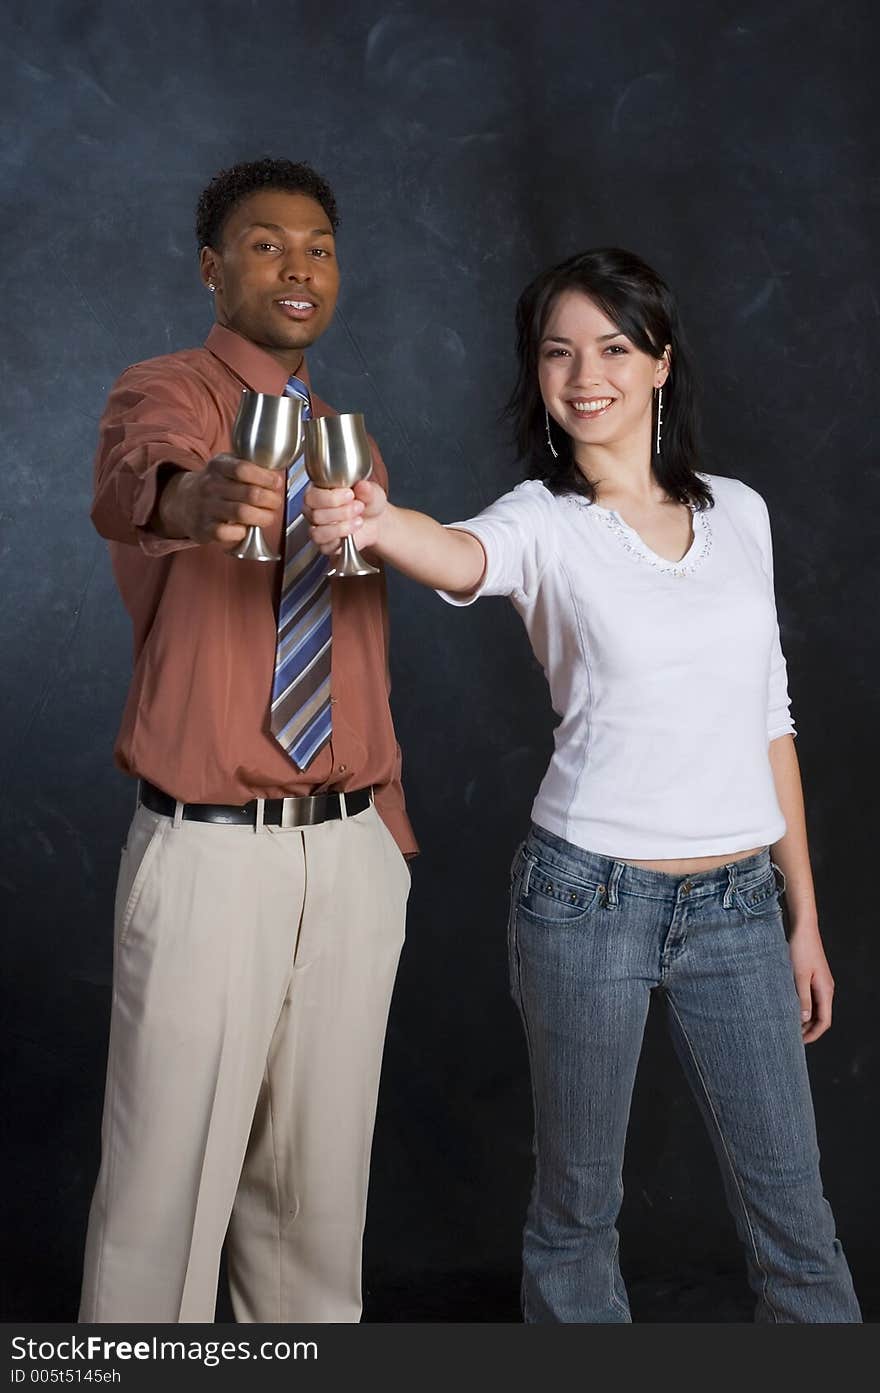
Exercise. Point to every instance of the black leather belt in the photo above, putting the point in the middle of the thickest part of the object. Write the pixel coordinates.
(277, 812)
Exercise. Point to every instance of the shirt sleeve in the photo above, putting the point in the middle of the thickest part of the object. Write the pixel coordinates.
(517, 538)
(151, 421)
(779, 720)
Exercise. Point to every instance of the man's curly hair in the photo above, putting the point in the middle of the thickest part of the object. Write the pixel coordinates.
(230, 186)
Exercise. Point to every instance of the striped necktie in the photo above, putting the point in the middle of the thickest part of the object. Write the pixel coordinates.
(300, 714)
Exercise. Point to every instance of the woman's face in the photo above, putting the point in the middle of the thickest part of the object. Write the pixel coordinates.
(595, 383)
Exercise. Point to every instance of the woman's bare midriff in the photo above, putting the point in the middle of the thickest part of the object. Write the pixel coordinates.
(689, 865)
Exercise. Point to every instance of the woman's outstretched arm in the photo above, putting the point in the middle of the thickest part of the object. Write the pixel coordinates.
(443, 558)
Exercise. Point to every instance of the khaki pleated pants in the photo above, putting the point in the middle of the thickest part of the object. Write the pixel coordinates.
(253, 973)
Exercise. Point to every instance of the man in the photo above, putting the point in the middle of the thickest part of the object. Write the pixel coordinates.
(262, 890)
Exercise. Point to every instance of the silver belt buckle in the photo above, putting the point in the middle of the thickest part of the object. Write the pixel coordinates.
(300, 812)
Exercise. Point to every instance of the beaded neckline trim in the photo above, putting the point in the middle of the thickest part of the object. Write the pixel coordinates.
(632, 542)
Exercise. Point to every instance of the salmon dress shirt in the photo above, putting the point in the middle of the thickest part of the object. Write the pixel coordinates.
(196, 722)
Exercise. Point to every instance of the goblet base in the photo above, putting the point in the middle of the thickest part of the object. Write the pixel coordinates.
(349, 562)
(255, 548)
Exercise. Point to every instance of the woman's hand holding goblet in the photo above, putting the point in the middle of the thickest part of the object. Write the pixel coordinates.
(335, 514)
(338, 458)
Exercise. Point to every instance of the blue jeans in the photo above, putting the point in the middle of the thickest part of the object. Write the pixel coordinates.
(589, 938)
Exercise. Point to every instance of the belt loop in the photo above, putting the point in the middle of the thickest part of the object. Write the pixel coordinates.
(527, 875)
(730, 888)
(178, 814)
(258, 815)
(611, 900)
(343, 810)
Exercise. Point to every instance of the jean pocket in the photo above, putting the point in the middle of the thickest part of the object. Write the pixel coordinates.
(763, 896)
(548, 896)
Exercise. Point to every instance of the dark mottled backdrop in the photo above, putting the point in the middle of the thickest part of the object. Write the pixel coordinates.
(734, 146)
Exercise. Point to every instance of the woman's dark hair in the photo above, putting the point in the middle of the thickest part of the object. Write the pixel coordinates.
(227, 189)
(640, 303)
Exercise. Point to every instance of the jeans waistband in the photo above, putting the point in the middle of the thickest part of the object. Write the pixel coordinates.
(594, 867)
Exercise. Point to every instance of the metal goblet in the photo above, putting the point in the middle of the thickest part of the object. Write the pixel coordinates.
(269, 431)
(338, 456)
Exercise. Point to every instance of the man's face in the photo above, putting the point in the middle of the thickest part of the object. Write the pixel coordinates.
(275, 271)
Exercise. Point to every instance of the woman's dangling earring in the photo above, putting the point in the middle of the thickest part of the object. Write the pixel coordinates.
(659, 417)
(553, 451)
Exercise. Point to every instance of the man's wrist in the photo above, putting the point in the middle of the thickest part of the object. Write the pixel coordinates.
(166, 520)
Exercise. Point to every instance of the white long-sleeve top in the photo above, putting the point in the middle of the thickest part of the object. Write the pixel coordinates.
(668, 677)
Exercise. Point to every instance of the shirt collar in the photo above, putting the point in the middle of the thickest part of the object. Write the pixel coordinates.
(257, 368)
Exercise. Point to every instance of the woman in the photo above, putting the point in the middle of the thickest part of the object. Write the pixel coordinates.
(646, 588)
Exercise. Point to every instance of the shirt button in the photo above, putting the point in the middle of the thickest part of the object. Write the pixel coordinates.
(342, 768)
